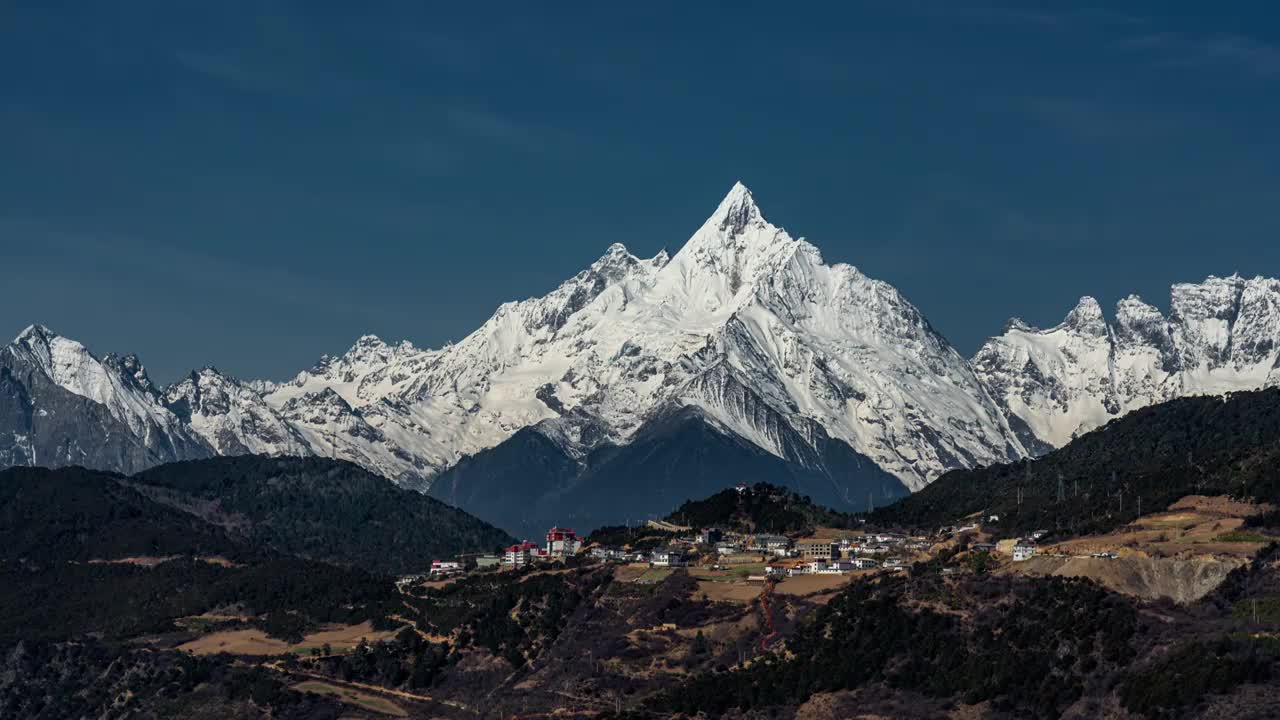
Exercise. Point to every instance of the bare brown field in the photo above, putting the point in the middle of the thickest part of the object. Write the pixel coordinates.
(811, 584)
(1182, 580)
(438, 584)
(140, 560)
(1177, 553)
(216, 617)
(823, 532)
(1190, 528)
(364, 701)
(342, 638)
(239, 642)
(251, 641)
(154, 560)
(630, 572)
(742, 592)
(1221, 505)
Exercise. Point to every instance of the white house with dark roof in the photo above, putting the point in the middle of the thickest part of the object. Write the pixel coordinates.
(1024, 549)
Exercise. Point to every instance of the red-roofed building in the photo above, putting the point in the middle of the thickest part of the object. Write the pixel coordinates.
(522, 554)
(562, 542)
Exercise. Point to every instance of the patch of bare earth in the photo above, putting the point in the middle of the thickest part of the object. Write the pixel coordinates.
(251, 641)
(738, 592)
(1178, 553)
(154, 560)
(1182, 580)
(804, 585)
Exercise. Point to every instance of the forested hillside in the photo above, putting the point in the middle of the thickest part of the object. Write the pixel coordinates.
(1142, 462)
(85, 553)
(323, 509)
(917, 645)
(81, 515)
(758, 508)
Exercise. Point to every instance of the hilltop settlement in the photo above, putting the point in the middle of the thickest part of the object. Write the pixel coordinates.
(1134, 574)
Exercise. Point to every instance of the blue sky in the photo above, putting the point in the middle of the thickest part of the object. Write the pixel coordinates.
(251, 185)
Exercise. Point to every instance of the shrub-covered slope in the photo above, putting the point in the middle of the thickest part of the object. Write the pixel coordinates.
(1153, 456)
(323, 509)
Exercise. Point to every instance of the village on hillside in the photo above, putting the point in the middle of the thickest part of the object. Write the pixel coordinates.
(814, 559)
(732, 564)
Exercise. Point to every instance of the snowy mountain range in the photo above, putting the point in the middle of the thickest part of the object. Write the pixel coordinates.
(744, 353)
(1053, 385)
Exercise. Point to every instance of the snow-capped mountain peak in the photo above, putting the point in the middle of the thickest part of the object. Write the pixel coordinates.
(72, 367)
(736, 211)
(231, 416)
(119, 385)
(1086, 317)
(1220, 335)
(745, 330)
(627, 339)
(716, 270)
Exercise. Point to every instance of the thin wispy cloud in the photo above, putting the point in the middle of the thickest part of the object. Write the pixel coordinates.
(1051, 19)
(488, 125)
(426, 156)
(441, 149)
(1089, 119)
(200, 272)
(1226, 50)
(1245, 52)
(232, 69)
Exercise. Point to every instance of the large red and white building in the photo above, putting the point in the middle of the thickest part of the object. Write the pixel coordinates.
(522, 554)
(562, 542)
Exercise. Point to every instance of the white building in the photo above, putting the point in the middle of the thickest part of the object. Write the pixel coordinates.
(729, 548)
(609, 553)
(1024, 549)
(445, 567)
(668, 557)
(522, 554)
(778, 545)
(562, 542)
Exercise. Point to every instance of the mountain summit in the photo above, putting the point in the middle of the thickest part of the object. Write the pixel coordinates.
(745, 324)
(744, 352)
(1222, 335)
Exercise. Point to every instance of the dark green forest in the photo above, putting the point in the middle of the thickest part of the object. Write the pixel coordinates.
(1033, 651)
(66, 601)
(77, 514)
(1147, 459)
(48, 681)
(322, 509)
(759, 508)
(513, 616)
